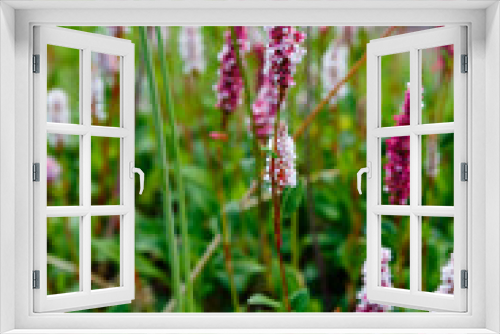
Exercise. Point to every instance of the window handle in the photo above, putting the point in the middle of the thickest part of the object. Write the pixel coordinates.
(368, 171)
(139, 171)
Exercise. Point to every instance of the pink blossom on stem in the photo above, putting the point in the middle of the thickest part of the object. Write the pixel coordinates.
(230, 82)
(284, 164)
(397, 169)
(53, 169)
(364, 304)
(282, 55)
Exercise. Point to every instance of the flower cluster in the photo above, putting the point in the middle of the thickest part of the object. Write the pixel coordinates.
(58, 112)
(397, 169)
(192, 49)
(283, 171)
(53, 169)
(283, 53)
(230, 82)
(447, 278)
(334, 68)
(364, 304)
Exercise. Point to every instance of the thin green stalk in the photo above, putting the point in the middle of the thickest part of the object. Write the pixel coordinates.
(162, 162)
(295, 243)
(226, 238)
(261, 216)
(177, 172)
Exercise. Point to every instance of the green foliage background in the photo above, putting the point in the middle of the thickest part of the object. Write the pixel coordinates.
(337, 152)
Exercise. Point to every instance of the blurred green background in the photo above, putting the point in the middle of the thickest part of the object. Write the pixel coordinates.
(323, 259)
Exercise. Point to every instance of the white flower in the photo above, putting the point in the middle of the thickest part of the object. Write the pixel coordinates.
(192, 49)
(364, 304)
(432, 157)
(57, 112)
(58, 106)
(284, 165)
(447, 278)
(334, 69)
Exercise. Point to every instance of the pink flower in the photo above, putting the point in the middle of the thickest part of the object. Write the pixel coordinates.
(397, 178)
(364, 304)
(53, 169)
(282, 56)
(443, 53)
(230, 82)
(284, 164)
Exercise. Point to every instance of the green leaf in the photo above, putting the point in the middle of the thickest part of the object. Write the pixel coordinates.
(262, 300)
(292, 198)
(300, 300)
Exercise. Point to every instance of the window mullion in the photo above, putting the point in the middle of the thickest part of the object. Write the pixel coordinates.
(85, 248)
(415, 93)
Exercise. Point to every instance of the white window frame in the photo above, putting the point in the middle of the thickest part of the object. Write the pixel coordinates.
(483, 21)
(85, 297)
(412, 44)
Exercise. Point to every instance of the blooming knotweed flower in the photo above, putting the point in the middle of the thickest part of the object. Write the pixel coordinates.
(192, 49)
(230, 82)
(282, 56)
(364, 304)
(284, 172)
(53, 169)
(397, 169)
(447, 278)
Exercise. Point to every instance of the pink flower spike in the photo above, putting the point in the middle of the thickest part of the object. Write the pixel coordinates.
(230, 83)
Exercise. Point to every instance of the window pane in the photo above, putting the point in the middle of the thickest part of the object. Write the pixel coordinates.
(63, 169)
(395, 252)
(437, 80)
(105, 89)
(437, 255)
(105, 171)
(394, 86)
(396, 170)
(63, 255)
(105, 252)
(63, 84)
(437, 169)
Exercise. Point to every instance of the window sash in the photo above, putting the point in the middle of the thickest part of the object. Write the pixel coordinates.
(85, 298)
(413, 43)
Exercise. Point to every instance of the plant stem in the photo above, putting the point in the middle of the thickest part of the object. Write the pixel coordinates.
(320, 262)
(295, 242)
(162, 162)
(177, 172)
(261, 215)
(226, 239)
